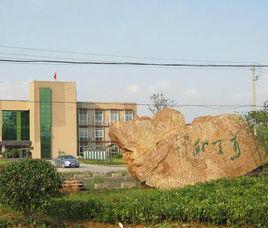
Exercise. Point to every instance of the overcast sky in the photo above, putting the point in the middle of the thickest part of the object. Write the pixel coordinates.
(208, 30)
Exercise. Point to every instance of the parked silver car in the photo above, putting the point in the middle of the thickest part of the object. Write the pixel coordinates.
(64, 161)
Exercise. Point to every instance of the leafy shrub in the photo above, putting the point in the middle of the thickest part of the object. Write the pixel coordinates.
(6, 223)
(258, 122)
(118, 155)
(3, 163)
(228, 201)
(26, 186)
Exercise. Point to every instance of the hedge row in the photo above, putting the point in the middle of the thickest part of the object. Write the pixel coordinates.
(242, 200)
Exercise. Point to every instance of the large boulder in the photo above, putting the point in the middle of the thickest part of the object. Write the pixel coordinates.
(164, 152)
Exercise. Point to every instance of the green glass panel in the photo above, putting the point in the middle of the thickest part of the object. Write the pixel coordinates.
(45, 122)
(9, 129)
(15, 125)
(25, 125)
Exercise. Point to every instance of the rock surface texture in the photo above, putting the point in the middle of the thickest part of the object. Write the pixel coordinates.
(164, 152)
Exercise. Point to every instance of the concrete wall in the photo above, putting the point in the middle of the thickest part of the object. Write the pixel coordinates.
(64, 128)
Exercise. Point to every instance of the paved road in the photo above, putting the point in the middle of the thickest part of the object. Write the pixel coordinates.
(93, 169)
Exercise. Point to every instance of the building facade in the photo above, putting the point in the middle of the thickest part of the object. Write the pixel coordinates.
(94, 120)
(52, 122)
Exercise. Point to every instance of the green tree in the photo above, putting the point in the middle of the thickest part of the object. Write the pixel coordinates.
(26, 186)
(258, 122)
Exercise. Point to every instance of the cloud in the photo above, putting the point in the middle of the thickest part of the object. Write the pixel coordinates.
(161, 86)
(243, 95)
(190, 93)
(261, 93)
(133, 88)
(16, 90)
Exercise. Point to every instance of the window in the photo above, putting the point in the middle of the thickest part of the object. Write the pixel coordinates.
(83, 117)
(15, 125)
(45, 121)
(9, 125)
(83, 146)
(83, 134)
(128, 115)
(99, 134)
(98, 116)
(99, 147)
(113, 116)
(25, 125)
(82, 149)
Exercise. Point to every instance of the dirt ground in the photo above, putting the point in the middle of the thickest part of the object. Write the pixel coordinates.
(88, 224)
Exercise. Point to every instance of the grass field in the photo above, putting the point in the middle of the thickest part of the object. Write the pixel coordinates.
(114, 161)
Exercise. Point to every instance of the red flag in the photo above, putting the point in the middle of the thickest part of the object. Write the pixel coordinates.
(55, 76)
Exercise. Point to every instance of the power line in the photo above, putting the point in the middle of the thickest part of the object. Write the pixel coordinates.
(135, 63)
(147, 104)
(140, 66)
(40, 56)
(117, 56)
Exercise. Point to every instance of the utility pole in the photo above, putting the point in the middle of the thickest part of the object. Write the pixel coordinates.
(254, 79)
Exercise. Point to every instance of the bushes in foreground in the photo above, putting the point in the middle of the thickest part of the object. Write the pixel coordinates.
(242, 200)
(27, 185)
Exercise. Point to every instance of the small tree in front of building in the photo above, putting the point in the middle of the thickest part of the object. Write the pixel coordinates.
(27, 186)
(159, 102)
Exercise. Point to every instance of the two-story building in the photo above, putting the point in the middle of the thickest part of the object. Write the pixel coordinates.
(94, 120)
(52, 121)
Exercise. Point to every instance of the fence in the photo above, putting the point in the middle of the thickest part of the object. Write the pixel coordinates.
(95, 155)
